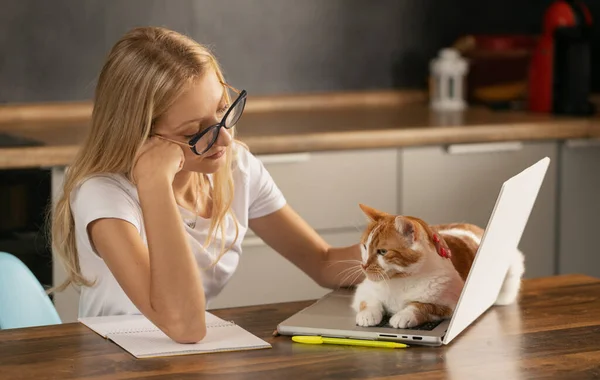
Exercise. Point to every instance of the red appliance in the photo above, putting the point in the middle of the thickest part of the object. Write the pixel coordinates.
(560, 68)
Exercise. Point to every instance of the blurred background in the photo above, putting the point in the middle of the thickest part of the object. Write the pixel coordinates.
(53, 51)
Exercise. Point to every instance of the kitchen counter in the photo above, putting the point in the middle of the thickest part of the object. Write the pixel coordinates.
(304, 123)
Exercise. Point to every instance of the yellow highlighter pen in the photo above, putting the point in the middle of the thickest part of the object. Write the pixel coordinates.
(310, 339)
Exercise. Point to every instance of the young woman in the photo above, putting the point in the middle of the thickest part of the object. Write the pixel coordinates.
(158, 200)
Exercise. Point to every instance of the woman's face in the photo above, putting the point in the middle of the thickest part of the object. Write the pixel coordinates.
(201, 106)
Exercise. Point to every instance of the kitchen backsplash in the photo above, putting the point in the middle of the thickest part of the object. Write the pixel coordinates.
(53, 50)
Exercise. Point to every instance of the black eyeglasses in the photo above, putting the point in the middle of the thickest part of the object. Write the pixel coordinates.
(204, 140)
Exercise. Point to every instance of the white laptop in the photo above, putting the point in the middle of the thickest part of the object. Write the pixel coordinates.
(332, 315)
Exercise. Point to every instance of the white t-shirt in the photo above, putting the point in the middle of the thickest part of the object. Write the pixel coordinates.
(113, 196)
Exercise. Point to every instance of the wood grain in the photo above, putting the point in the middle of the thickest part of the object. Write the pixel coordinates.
(553, 333)
(306, 123)
(82, 111)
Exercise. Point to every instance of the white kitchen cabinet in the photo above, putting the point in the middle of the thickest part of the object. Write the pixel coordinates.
(460, 183)
(579, 208)
(325, 188)
(263, 276)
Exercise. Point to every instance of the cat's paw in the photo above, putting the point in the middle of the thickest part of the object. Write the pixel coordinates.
(405, 318)
(368, 317)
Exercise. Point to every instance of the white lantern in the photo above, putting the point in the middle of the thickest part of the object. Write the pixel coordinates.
(448, 72)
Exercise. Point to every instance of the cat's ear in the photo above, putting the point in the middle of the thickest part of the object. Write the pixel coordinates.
(373, 214)
(406, 228)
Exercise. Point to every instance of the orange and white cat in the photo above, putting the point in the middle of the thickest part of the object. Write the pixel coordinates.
(415, 272)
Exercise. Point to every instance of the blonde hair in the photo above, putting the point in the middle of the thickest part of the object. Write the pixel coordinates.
(145, 72)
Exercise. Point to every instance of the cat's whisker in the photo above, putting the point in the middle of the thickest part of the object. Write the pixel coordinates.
(332, 263)
(358, 228)
(351, 274)
(386, 278)
(386, 275)
(356, 277)
(349, 282)
(346, 280)
(358, 273)
(348, 269)
(348, 276)
(345, 262)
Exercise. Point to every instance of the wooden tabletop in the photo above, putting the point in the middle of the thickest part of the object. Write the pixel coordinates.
(553, 333)
(290, 124)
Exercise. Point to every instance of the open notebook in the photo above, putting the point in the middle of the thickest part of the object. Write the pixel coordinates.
(141, 338)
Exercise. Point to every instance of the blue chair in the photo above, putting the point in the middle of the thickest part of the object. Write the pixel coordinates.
(23, 301)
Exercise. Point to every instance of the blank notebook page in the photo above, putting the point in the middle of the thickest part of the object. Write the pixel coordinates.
(141, 338)
(155, 343)
(132, 323)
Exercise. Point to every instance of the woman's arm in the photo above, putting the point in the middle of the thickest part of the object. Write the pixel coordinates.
(162, 280)
(287, 233)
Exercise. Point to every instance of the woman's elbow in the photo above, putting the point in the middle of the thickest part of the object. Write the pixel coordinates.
(184, 331)
(187, 334)
(325, 282)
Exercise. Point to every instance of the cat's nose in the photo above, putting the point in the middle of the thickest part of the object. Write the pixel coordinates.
(363, 266)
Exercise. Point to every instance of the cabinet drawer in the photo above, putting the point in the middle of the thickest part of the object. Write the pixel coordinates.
(325, 188)
(579, 208)
(461, 183)
(263, 276)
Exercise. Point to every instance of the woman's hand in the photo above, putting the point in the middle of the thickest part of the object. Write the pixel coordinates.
(158, 159)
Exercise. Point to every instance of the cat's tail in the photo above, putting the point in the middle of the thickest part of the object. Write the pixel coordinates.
(512, 281)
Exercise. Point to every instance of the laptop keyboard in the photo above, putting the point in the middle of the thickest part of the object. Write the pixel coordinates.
(427, 326)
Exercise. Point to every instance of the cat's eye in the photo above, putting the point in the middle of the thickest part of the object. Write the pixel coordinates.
(381, 251)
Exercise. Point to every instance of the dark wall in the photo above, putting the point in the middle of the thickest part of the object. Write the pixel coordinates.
(53, 50)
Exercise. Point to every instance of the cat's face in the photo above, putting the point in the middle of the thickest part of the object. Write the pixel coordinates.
(390, 246)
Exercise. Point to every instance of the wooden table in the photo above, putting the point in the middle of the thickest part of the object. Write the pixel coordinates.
(554, 333)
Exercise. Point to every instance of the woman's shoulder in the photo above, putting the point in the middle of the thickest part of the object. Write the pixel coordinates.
(105, 195)
(104, 185)
(245, 162)
(263, 194)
